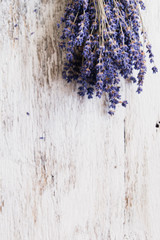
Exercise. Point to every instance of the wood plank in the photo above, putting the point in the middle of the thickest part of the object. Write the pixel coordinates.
(68, 171)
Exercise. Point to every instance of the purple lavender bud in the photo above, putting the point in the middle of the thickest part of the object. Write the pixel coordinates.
(124, 103)
(139, 90)
(154, 69)
(133, 79)
(111, 112)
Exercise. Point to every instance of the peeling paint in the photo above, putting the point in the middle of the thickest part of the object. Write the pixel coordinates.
(68, 171)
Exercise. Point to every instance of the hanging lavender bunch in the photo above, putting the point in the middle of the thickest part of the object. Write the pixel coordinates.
(102, 40)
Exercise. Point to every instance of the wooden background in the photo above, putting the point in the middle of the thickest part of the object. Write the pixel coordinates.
(69, 171)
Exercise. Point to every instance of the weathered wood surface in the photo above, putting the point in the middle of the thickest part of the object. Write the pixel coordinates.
(68, 171)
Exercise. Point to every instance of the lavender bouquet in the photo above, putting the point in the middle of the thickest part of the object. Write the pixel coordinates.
(104, 42)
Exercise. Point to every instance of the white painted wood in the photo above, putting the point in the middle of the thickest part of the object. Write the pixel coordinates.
(68, 171)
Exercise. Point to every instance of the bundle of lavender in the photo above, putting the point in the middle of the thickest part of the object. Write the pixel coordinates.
(102, 40)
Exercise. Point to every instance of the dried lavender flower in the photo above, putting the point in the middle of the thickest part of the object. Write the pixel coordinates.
(102, 40)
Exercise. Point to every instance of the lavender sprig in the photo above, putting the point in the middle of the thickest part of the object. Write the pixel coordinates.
(102, 43)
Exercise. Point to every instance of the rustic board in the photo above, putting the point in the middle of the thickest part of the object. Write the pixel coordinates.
(69, 171)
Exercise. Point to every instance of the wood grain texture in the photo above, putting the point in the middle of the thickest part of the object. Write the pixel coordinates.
(68, 171)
